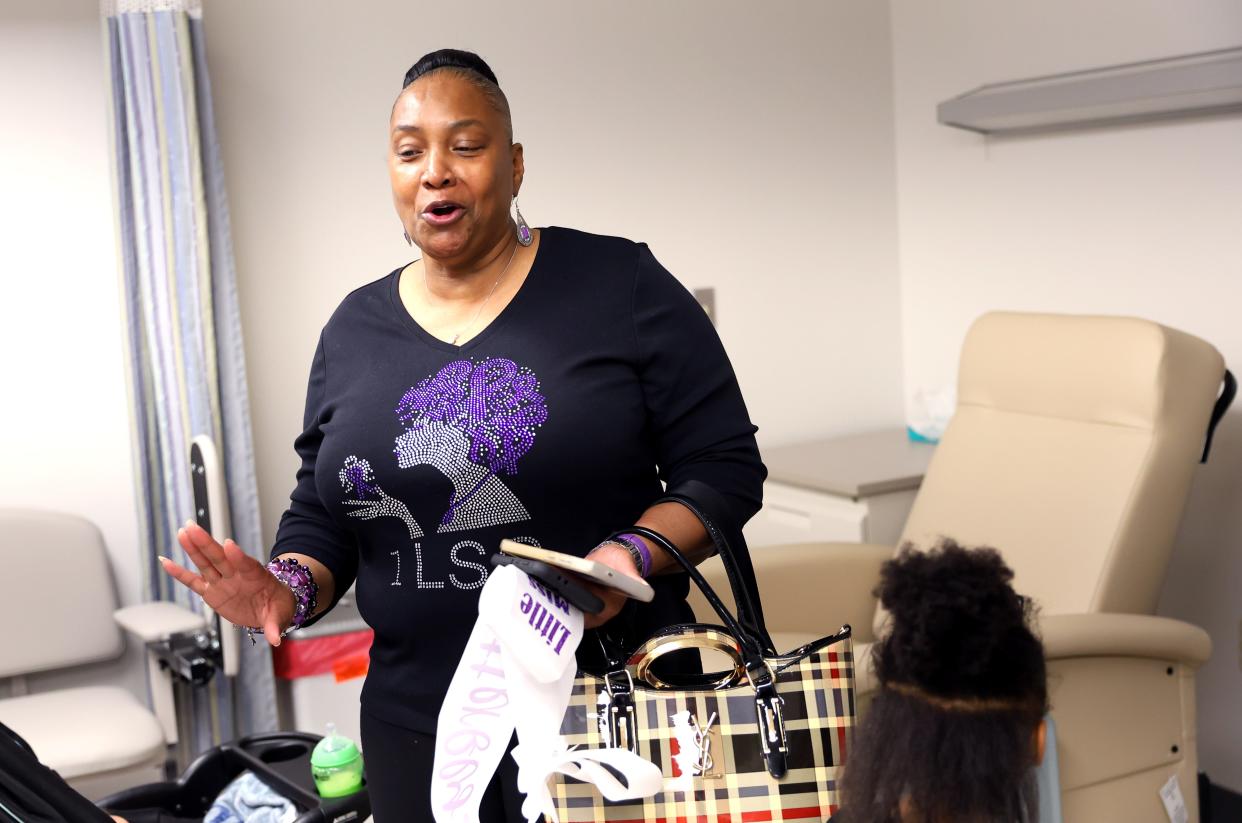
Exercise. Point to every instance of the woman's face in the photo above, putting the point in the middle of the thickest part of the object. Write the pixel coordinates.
(453, 168)
(431, 444)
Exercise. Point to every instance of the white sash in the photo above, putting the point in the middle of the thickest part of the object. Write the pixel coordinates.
(517, 671)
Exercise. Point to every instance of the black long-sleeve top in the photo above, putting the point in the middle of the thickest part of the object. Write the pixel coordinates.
(555, 425)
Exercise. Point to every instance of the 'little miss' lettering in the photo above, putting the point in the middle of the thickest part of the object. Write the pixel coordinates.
(544, 622)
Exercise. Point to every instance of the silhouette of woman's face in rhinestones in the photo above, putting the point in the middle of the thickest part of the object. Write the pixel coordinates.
(432, 443)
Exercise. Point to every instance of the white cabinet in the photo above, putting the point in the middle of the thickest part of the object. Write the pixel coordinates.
(856, 488)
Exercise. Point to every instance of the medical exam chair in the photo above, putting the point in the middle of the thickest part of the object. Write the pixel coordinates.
(1072, 451)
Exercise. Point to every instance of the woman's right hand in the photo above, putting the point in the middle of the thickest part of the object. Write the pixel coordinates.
(239, 588)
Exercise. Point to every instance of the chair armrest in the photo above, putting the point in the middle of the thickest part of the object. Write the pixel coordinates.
(853, 566)
(159, 620)
(1124, 635)
(839, 577)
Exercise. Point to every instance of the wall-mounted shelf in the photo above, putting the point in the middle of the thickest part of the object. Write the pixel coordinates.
(1196, 84)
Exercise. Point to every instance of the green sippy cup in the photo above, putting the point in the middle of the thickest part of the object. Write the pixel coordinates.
(336, 765)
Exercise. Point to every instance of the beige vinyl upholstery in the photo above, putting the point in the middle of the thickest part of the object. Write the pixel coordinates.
(1071, 451)
(1072, 448)
(57, 598)
(47, 559)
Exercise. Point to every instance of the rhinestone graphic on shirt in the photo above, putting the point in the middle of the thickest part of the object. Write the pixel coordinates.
(371, 501)
(473, 422)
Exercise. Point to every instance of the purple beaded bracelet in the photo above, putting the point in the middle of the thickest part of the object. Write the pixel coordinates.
(638, 551)
(297, 576)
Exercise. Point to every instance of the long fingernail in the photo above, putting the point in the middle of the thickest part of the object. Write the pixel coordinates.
(189, 522)
(163, 559)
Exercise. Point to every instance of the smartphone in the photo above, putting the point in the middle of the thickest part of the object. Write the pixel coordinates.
(552, 577)
(592, 570)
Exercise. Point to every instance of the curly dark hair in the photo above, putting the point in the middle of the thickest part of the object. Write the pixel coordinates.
(950, 733)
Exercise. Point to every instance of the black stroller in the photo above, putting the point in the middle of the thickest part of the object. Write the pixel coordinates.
(32, 793)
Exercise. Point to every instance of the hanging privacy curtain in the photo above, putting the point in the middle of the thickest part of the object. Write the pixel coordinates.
(186, 369)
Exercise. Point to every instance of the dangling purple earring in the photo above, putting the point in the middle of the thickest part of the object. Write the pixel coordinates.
(523, 228)
(408, 241)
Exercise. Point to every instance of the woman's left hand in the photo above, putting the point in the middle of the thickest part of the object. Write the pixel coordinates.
(618, 558)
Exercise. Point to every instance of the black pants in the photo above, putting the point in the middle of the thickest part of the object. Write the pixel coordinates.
(399, 762)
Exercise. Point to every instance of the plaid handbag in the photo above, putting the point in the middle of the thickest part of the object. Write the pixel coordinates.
(763, 741)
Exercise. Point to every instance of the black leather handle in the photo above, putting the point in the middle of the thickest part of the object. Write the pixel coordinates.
(738, 567)
(752, 647)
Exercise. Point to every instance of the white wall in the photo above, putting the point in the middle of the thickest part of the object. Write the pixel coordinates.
(749, 144)
(1142, 220)
(64, 421)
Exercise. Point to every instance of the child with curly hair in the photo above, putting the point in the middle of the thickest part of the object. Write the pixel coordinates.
(957, 726)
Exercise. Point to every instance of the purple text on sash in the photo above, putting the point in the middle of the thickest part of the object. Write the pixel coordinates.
(552, 630)
(485, 708)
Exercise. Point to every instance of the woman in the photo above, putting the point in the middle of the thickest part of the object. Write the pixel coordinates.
(956, 728)
(536, 385)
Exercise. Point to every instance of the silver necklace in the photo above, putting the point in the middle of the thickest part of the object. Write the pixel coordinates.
(479, 310)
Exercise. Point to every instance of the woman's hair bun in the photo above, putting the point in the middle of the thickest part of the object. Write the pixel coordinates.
(958, 629)
(450, 59)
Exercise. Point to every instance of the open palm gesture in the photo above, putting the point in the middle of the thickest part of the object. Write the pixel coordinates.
(239, 588)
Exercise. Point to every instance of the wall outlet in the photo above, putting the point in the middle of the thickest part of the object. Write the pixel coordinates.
(707, 299)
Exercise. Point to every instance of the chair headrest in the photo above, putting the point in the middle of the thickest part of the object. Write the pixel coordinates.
(1113, 370)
